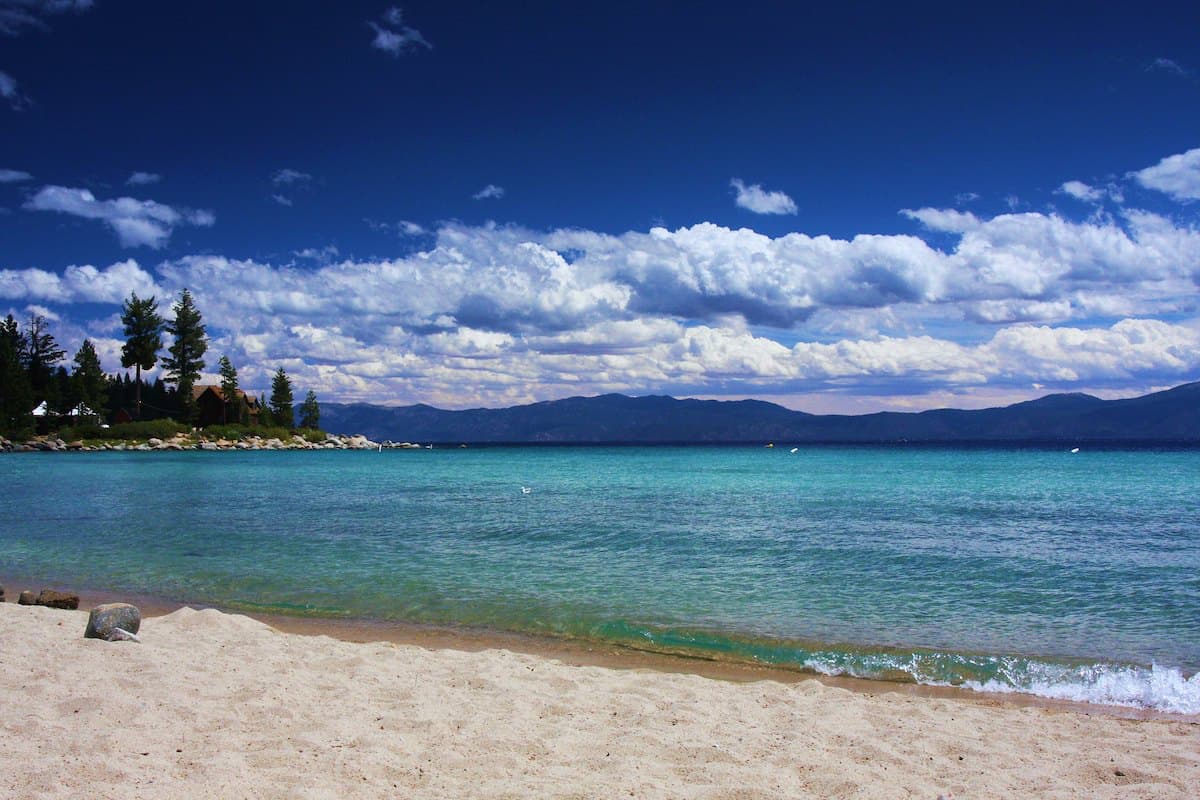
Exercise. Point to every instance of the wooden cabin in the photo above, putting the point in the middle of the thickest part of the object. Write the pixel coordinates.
(210, 405)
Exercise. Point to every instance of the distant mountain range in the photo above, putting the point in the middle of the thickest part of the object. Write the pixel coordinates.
(1168, 416)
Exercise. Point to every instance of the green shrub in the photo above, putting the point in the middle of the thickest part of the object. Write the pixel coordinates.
(230, 432)
(159, 428)
(314, 435)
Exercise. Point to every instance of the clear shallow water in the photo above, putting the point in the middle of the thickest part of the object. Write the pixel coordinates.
(1072, 576)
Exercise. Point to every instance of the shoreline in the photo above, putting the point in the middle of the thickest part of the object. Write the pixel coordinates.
(572, 652)
(209, 704)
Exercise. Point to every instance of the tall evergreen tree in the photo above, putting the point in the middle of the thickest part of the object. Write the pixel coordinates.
(231, 411)
(89, 381)
(186, 357)
(40, 355)
(264, 412)
(16, 393)
(310, 412)
(281, 399)
(143, 339)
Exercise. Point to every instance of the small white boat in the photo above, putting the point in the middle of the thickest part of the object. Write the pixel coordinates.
(1074, 449)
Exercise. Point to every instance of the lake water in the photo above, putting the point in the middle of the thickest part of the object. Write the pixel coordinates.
(1065, 575)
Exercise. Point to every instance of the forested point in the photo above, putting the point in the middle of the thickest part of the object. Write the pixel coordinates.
(43, 394)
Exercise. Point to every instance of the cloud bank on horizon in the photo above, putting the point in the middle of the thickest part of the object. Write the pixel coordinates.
(502, 314)
(1091, 285)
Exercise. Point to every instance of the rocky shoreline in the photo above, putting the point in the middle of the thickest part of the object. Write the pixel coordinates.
(42, 444)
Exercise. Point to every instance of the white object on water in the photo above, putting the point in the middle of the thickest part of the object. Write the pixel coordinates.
(794, 449)
(1074, 449)
(381, 447)
(526, 489)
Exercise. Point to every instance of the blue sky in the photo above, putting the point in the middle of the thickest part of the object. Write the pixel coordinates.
(481, 204)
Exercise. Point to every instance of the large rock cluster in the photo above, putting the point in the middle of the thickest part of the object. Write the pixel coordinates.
(49, 597)
(186, 442)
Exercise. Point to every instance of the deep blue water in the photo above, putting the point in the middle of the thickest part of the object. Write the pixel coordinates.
(1038, 570)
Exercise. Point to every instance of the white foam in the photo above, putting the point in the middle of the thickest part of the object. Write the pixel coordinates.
(1158, 688)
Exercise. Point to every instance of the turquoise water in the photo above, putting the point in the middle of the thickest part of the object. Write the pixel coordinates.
(1065, 575)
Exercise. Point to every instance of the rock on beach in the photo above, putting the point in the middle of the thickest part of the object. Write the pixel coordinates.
(105, 620)
(56, 599)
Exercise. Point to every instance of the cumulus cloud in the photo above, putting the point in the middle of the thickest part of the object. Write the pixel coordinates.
(16, 16)
(489, 192)
(1081, 191)
(79, 284)
(14, 176)
(137, 223)
(1177, 176)
(143, 178)
(760, 201)
(281, 200)
(9, 91)
(395, 38)
(498, 314)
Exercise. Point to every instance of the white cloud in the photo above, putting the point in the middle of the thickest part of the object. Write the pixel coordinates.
(143, 178)
(9, 91)
(79, 284)
(326, 253)
(281, 200)
(1177, 176)
(945, 220)
(1081, 191)
(755, 198)
(136, 222)
(18, 15)
(289, 176)
(14, 176)
(42, 311)
(497, 314)
(401, 227)
(489, 192)
(394, 37)
(1166, 65)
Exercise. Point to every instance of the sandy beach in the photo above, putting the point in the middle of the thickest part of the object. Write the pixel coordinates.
(219, 705)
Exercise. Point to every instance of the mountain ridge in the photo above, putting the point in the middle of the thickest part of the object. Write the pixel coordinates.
(1171, 415)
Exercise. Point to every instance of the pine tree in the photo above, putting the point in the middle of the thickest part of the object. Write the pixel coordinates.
(233, 407)
(90, 384)
(310, 412)
(16, 393)
(41, 353)
(143, 332)
(186, 357)
(264, 413)
(281, 399)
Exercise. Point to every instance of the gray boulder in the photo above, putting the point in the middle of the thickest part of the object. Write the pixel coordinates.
(27, 598)
(105, 620)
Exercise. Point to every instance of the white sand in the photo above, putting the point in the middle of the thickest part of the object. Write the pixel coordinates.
(217, 705)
